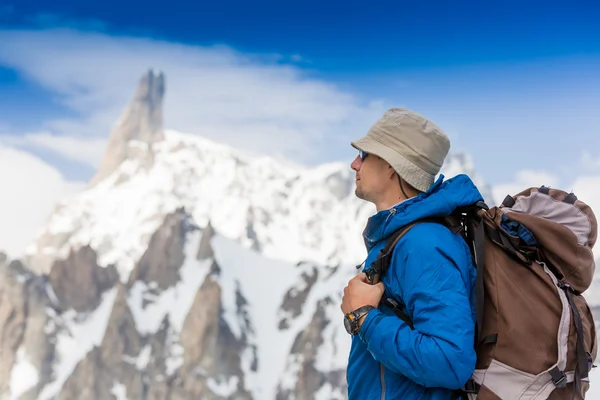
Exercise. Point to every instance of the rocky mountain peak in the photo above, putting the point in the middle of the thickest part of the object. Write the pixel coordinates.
(140, 125)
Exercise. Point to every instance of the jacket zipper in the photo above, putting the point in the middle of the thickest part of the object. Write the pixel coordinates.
(382, 374)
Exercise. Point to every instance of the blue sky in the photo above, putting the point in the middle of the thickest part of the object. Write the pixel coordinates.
(524, 76)
(345, 36)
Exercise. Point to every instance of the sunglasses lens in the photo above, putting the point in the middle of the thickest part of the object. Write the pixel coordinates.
(362, 155)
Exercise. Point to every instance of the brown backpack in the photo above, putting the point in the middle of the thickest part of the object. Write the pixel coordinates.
(535, 334)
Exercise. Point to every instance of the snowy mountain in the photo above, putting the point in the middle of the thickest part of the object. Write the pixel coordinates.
(187, 269)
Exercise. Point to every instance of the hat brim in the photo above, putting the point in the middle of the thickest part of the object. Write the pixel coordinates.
(415, 176)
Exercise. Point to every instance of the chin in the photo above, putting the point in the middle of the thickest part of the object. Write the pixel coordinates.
(358, 193)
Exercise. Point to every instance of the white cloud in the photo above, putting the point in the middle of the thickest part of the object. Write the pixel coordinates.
(587, 189)
(30, 191)
(249, 101)
(582, 179)
(589, 162)
(86, 150)
(523, 180)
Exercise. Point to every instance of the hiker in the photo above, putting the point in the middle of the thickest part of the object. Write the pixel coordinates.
(431, 275)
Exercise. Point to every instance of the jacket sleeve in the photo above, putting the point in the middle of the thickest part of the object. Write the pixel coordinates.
(439, 351)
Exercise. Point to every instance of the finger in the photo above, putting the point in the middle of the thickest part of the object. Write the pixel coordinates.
(361, 277)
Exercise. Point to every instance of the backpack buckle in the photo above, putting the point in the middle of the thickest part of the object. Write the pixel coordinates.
(559, 379)
(370, 273)
(471, 386)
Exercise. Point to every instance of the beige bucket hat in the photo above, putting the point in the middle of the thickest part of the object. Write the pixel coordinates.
(412, 144)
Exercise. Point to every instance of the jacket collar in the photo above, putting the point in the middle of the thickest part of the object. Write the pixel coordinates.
(440, 200)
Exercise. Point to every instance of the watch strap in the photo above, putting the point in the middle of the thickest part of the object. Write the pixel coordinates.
(357, 314)
(360, 311)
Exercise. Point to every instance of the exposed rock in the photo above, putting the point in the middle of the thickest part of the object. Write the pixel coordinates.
(215, 269)
(302, 360)
(13, 316)
(40, 349)
(161, 367)
(205, 249)
(121, 341)
(243, 314)
(140, 125)
(159, 390)
(91, 380)
(165, 255)
(165, 364)
(78, 281)
(295, 298)
(250, 232)
(23, 316)
(211, 351)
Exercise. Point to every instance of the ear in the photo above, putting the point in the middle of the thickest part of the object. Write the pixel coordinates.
(391, 172)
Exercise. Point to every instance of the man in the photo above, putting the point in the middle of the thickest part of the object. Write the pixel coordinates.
(431, 272)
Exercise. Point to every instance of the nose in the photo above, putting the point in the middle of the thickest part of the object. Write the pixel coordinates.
(356, 163)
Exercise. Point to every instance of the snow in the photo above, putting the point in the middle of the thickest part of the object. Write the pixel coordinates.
(77, 335)
(149, 310)
(119, 391)
(142, 359)
(335, 346)
(51, 295)
(296, 213)
(223, 387)
(24, 375)
(263, 282)
(327, 392)
(462, 163)
(289, 378)
(333, 350)
(175, 352)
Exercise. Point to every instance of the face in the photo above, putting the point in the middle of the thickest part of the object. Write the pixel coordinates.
(371, 176)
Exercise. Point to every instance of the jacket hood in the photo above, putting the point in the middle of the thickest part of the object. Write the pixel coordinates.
(440, 200)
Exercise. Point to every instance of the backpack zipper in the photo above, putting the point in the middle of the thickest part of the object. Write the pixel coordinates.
(382, 375)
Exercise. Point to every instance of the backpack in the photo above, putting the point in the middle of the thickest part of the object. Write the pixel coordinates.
(535, 336)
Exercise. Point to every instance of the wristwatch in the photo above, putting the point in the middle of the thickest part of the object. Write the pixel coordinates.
(351, 319)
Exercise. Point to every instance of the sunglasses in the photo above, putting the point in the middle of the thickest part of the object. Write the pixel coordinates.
(362, 155)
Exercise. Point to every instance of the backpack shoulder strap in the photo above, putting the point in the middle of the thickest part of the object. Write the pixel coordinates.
(455, 223)
(379, 267)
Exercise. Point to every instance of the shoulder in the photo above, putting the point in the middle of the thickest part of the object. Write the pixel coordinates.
(427, 236)
(431, 245)
(431, 258)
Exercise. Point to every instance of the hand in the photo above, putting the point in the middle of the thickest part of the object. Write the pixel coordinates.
(359, 292)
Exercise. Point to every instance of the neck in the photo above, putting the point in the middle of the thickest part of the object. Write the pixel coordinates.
(390, 200)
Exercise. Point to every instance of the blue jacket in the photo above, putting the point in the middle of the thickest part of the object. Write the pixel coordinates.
(432, 274)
